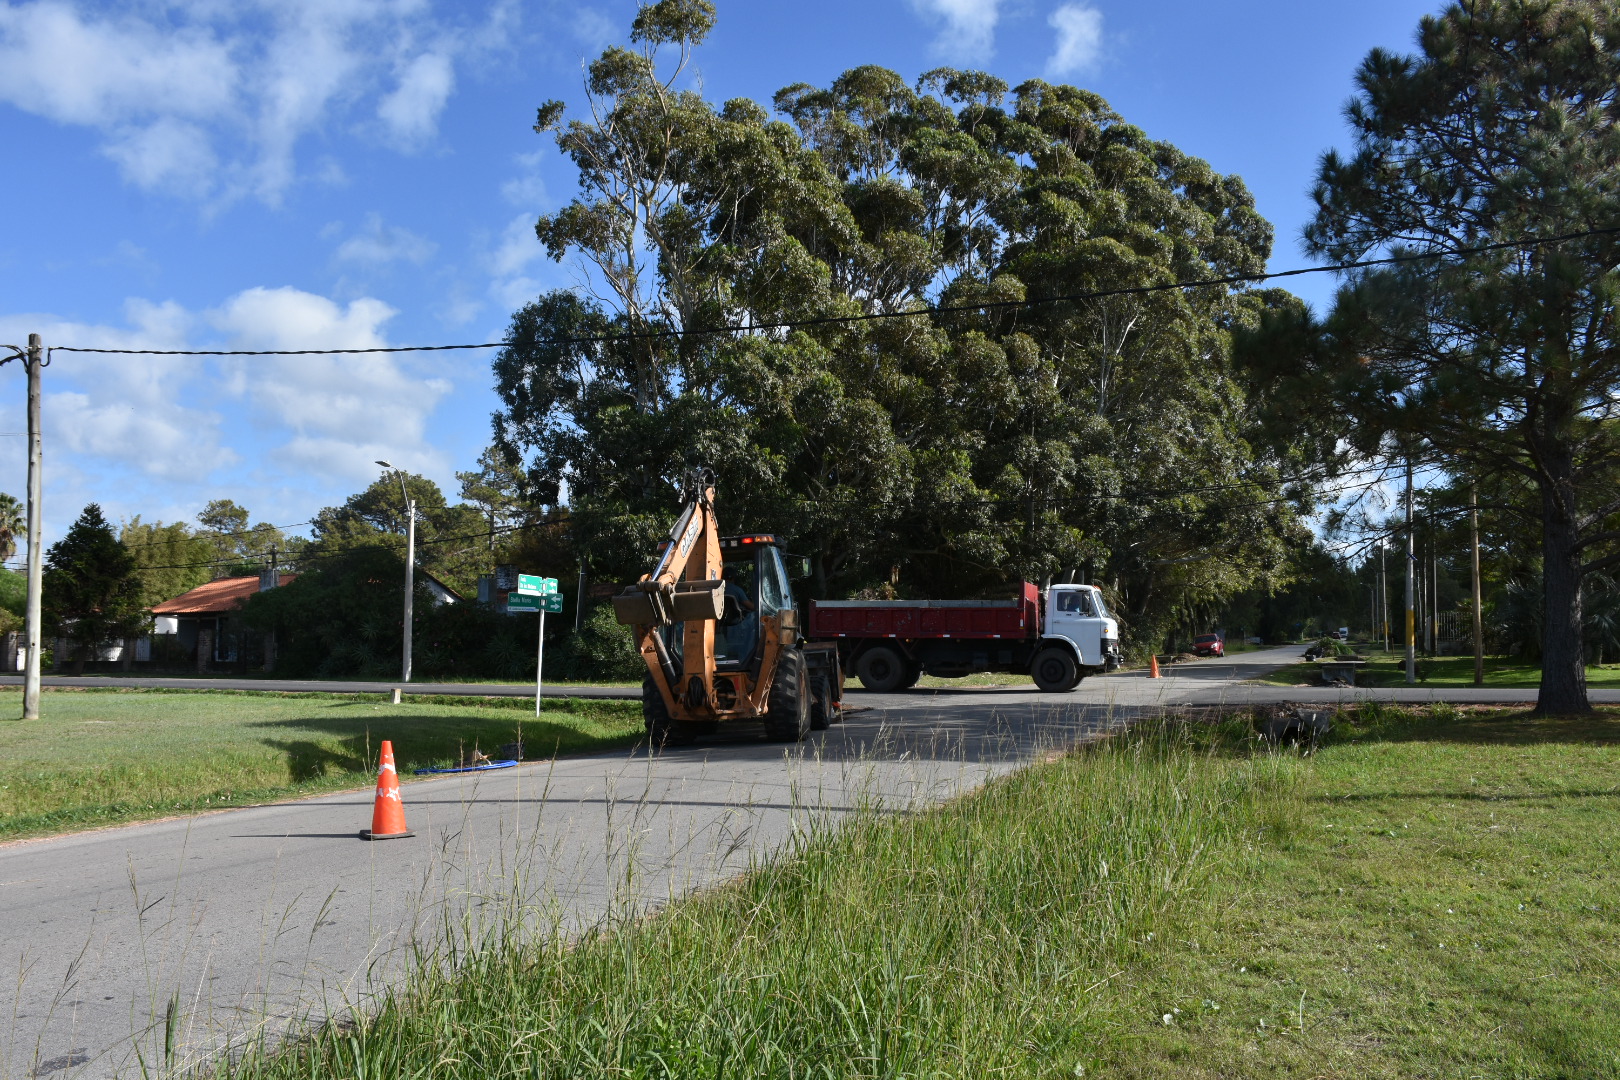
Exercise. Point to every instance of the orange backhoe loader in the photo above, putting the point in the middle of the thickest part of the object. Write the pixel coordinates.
(722, 638)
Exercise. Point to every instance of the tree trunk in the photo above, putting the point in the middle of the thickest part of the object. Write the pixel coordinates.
(1563, 652)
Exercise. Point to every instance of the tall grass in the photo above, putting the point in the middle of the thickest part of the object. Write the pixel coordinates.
(970, 940)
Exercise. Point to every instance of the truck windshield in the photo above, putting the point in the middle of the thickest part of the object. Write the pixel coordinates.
(1102, 608)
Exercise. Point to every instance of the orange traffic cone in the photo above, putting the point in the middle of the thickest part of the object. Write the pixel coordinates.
(1153, 673)
(388, 815)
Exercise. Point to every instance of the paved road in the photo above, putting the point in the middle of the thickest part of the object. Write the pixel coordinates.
(251, 919)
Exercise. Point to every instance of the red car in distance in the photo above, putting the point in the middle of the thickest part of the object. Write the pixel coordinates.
(1209, 645)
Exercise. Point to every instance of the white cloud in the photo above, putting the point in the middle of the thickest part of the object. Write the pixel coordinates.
(1079, 39)
(127, 413)
(595, 30)
(213, 100)
(518, 248)
(104, 72)
(379, 244)
(288, 318)
(411, 111)
(527, 189)
(968, 29)
(341, 409)
(168, 153)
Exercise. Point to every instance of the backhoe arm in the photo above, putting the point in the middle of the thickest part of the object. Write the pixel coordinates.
(686, 587)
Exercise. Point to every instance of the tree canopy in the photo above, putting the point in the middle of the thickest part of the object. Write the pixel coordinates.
(1108, 438)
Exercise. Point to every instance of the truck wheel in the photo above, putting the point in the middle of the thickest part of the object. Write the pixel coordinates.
(1055, 671)
(662, 729)
(788, 716)
(882, 669)
(914, 673)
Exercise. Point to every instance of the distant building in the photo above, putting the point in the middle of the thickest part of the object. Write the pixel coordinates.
(204, 628)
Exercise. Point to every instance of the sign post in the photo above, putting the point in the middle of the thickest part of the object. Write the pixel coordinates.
(536, 594)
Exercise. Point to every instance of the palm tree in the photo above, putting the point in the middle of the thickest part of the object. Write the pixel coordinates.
(13, 524)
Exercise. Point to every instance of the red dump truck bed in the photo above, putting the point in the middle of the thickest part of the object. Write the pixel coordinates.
(1019, 618)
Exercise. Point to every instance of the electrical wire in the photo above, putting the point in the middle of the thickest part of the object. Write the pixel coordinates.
(927, 310)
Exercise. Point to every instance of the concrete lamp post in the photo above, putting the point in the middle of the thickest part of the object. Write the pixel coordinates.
(410, 566)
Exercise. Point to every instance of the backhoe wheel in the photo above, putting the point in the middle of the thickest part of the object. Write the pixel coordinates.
(822, 713)
(662, 729)
(1055, 671)
(882, 669)
(787, 718)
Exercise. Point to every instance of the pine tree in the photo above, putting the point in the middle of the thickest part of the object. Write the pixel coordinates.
(92, 589)
(1505, 127)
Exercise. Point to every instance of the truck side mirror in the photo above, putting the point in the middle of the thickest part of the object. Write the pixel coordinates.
(798, 567)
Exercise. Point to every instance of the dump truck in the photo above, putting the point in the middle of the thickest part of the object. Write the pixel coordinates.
(1056, 639)
(721, 636)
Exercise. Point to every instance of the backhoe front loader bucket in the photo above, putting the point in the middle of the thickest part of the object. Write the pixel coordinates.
(635, 607)
(691, 601)
(698, 600)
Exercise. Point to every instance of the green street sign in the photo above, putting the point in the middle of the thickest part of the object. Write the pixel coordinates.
(534, 585)
(553, 603)
(519, 602)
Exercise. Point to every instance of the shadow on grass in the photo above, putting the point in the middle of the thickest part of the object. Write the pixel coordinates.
(420, 741)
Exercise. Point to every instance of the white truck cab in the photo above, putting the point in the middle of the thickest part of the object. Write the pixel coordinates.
(1077, 616)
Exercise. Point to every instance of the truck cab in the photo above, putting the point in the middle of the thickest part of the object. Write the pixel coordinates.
(1076, 616)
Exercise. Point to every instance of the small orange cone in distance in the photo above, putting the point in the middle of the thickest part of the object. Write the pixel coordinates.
(1153, 673)
(388, 815)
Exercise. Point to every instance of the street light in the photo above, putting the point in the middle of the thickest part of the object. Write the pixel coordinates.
(410, 565)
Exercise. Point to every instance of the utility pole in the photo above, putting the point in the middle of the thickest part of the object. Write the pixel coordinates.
(1411, 584)
(1383, 595)
(1479, 618)
(1434, 586)
(34, 361)
(579, 601)
(410, 567)
(410, 577)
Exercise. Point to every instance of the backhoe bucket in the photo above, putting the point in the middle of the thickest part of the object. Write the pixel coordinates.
(636, 608)
(699, 600)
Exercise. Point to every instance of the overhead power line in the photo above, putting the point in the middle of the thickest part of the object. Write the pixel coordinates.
(830, 320)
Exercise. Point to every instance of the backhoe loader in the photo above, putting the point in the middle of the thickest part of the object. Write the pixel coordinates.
(717, 626)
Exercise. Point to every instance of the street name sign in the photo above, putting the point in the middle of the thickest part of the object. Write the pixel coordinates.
(534, 585)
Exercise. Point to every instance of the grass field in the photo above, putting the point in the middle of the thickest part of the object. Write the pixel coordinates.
(106, 756)
(1389, 669)
(1429, 895)
(270, 676)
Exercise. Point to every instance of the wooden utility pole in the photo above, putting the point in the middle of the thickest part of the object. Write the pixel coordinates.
(33, 362)
(1479, 616)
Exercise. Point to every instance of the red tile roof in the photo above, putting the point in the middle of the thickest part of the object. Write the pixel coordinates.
(215, 598)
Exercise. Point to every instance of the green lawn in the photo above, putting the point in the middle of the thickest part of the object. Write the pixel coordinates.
(1389, 669)
(1427, 896)
(101, 757)
(274, 676)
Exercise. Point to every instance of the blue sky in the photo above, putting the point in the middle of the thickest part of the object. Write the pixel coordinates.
(310, 173)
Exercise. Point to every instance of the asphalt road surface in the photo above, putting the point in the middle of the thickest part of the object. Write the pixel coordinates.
(248, 921)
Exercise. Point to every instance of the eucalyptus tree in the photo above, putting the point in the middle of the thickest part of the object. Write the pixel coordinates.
(958, 446)
(1500, 130)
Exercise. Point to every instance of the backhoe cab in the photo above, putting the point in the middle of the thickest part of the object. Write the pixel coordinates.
(716, 624)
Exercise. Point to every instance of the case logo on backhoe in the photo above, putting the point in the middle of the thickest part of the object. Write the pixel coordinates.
(689, 538)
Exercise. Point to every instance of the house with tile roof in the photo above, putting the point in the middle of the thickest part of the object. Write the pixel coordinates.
(204, 627)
